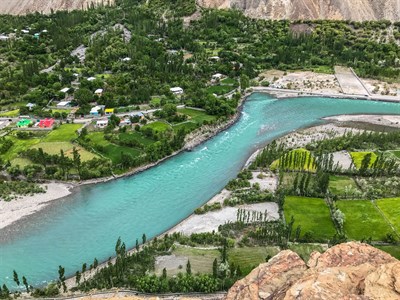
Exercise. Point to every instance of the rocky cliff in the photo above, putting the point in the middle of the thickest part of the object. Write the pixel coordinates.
(17, 7)
(346, 271)
(357, 10)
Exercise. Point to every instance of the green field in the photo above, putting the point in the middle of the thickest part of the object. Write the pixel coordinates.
(248, 258)
(18, 147)
(22, 162)
(396, 153)
(157, 126)
(67, 147)
(312, 214)
(220, 89)
(363, 220)
(392, 250)
(187, 126)
(111, 150)
(10, 113)
(64, 133)
(391, 209)
(359, 156)
(341, 185)
(308, 165)
(229, 81)
(128, 136)
(197, 116)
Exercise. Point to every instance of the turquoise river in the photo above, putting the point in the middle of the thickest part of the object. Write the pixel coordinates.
(86, 224)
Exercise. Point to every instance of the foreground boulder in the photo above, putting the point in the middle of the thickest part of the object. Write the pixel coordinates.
(346, 271)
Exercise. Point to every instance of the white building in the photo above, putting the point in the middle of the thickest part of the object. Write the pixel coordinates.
(99, 92)
(217, 77)
(176, 90)
(126, 59)
(25, 31)
(91, 78)
(30, 105)
(3, 37)
(95, 110)
(102, 123)
(65, 90)
(63, 104)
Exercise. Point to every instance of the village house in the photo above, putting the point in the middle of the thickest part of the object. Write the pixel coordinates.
(91, 78)
(95, 110)
(65, 90)
(98, 92)
(63, 104)
(217, 77)
(109, 111)
(3, 37)
(125, 122)
(176, 90)
(102, 123)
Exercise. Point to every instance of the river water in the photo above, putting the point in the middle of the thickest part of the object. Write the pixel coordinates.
(87, 224)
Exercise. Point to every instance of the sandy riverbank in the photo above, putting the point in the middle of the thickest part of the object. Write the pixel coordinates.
(15, 210)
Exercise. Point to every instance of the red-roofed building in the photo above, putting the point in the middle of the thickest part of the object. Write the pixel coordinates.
(46, 123)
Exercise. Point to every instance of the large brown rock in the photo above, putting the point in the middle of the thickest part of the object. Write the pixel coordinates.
(270, 280)
(347, 271)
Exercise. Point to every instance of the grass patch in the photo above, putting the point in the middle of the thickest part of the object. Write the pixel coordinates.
(157, 126)
(363, 220)
(392, 250)
(312, 214)
(291, 163)
(340, 185)
(64, 133)
(129, 136)
(22, 162)
(248, 258)
(396, 153)
(305, 250)
(10, 113)
(229, 81)
(358, 157)
(187, 126)
(18, 147)
(55, 148)
(197, 116)
(156, 101)
(201, 260)
(219, 89)
(391, 209)
(111, 150)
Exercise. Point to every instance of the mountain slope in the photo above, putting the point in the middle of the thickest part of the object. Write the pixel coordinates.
(357, 10)
(17, 7)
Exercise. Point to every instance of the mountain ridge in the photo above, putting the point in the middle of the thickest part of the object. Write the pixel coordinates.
(354, 10)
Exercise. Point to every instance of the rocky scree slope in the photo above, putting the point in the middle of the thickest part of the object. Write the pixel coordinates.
(346, 271)
(18, 7)
(355, 10)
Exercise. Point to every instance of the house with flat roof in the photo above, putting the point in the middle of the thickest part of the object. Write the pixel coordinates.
(65, 90)
(23, 123)
(64, 104)
(95, 110)
(217, 77)
(46, 123)
(102, 123)
(125, 122)
(91, 78)
(176, 90)
(109, 111)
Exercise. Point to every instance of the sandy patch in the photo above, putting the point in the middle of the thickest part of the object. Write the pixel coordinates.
(15, 210)
(342, 159)
(384, 120)
(349, 82)
(171, 262)
(314, 134)
(302, 81)
(268, 181)
(210, 221)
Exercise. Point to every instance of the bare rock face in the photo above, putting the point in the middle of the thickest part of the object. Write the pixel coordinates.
(18, 7)
(346, 271)
(356, 10)
(271, 279)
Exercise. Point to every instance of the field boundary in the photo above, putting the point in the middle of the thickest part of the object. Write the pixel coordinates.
(386, 219)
